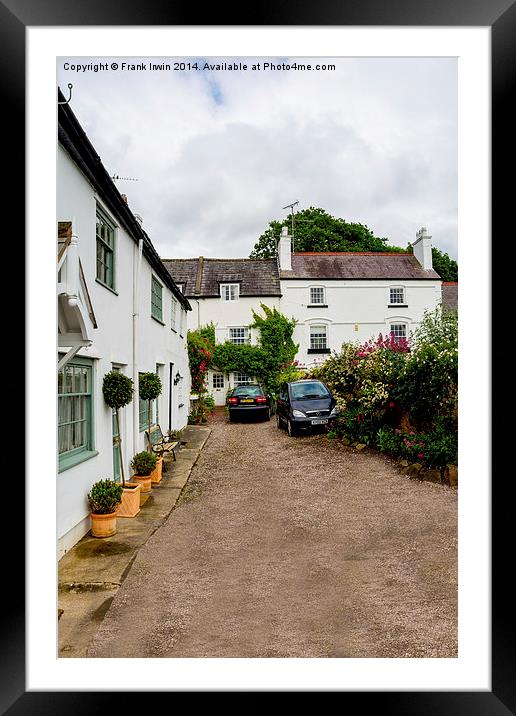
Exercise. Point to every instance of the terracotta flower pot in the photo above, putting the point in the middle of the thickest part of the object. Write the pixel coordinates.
(130, 505)
(145, 481)
(157, 473)
(103, 525)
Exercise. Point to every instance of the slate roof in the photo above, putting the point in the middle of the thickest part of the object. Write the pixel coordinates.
(202, 276)
(356, 265)
(450, 295)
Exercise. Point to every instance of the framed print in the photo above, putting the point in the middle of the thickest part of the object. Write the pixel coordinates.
(42, 42)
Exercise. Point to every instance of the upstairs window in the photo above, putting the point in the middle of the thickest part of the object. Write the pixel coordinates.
(396, 295)
(157, 300)
(317, 295)
(229, 291)
(173, 315)
(239, 334)
(105, 233)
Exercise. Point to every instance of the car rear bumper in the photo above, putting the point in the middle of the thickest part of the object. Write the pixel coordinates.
(247, 408)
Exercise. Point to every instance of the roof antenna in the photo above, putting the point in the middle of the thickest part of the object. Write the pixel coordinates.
(115, 177)
(291, 207)
(70, 85)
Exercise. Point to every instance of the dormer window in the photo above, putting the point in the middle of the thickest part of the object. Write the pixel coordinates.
(317, 297)
(229, 291)
(396, 296)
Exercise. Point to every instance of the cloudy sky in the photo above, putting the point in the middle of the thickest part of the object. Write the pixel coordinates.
(218, 153)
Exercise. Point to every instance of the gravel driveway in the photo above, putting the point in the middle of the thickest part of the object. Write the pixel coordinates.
(292, 547)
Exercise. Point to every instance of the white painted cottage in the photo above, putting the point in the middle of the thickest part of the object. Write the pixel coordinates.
(118, 308)
(334, 297)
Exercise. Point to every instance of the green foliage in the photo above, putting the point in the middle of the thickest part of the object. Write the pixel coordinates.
(265, 361)
(428, 384)
(104, 497)
(435, 448)
(316, 230)
(209, 403)
(446, 267)
(117, 389)
(143, 463)
(149, 386)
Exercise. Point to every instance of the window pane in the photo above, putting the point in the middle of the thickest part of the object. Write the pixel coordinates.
(317, 295)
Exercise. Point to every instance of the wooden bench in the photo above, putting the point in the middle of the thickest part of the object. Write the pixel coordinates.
(161, 443)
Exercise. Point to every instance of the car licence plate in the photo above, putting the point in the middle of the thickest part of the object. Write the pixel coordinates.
(319, 421)
(247, 400)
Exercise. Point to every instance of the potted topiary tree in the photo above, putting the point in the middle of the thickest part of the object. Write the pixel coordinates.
(103, 498)
(143, 463)
(149, 388)
(117, 389)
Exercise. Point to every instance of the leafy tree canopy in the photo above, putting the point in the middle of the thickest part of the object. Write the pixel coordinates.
(316, 230)
(446, 267)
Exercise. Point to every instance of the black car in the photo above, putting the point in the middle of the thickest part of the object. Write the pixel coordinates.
(304, 404)
(248, 400)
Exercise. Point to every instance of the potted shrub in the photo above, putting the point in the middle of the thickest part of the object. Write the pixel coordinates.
(117, 389)
(143, 463)
(103, 498)
(149, 389)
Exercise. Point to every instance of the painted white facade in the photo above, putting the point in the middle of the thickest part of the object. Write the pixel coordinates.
(127, 337)
(353, 310)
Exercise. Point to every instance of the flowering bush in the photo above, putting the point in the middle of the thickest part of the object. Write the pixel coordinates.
(436, 448)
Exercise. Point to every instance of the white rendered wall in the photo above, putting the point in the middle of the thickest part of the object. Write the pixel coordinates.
(226, 314)
(356, 310)
(112, 344)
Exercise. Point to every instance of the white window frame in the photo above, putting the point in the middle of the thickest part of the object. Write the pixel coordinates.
(230, 291)
(248, 379)
(397, 324)
(403, 298)
(221, 378)
(173, 314)
(240, 340)
(312, 328)
(318, 303)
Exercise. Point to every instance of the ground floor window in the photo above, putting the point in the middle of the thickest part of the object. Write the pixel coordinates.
(143, 412)
(242, 379)
(75, 424)
(318, 337)
(399, 330)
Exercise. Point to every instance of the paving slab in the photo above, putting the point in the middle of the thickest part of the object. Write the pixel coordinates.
(91, 573)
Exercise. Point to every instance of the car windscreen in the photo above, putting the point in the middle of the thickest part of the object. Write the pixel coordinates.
(251, 391)
(314, 390)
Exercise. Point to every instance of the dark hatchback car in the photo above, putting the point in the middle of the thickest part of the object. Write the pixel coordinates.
(247, 400)
(305, 404)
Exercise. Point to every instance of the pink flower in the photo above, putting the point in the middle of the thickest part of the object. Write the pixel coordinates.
(391, 405)
(420, 455)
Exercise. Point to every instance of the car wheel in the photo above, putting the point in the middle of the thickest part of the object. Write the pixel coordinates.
(268, 414)
(290, 429)
(278, 421)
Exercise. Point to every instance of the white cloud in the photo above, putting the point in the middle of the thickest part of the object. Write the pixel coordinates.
(217, 155)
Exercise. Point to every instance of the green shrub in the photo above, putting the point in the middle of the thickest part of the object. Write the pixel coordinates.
(104, 497)
(117, 389)
(143, 463)
(435, 448)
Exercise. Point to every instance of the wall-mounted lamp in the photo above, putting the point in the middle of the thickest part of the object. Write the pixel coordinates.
(177, 378)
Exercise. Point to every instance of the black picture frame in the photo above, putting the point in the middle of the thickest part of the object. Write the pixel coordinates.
(500, 16)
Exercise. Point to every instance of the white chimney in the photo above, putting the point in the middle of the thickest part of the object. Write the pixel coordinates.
(285, 251)
(422, 247)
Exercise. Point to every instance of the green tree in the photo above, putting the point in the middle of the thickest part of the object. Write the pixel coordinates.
(316, 230)
(446, 267)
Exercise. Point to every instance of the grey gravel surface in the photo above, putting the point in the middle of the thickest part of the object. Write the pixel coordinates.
(292, 547)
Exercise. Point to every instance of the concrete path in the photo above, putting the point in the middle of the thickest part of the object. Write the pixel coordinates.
(292, 547)
(91, 573)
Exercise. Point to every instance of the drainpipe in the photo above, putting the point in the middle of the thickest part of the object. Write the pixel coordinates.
(136, 311)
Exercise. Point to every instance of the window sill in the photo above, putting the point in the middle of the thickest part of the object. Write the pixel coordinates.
(397, 305)
(158, 320)
(317, 305)
(73, 460)
(106, 286)
(319, 350)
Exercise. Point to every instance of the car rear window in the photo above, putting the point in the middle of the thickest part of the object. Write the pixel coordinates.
(250, 390)
(309, 390)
